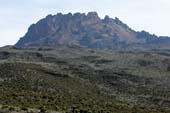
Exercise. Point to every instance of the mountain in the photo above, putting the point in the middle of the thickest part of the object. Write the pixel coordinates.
(57, 67)
(89, 31)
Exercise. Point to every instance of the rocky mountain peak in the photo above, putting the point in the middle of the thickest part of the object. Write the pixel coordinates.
(86, 30)
(92, 15)
(107, 19)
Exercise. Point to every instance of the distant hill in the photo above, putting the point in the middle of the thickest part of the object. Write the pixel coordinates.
(89, 31)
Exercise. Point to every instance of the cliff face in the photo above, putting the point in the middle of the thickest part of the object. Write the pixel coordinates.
(88, 31)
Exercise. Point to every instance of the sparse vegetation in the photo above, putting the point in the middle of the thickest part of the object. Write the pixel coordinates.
(76, 80)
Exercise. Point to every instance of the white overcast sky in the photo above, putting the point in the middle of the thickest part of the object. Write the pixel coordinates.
(17, 15)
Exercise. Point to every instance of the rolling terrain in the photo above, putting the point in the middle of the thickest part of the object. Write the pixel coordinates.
(71, 79)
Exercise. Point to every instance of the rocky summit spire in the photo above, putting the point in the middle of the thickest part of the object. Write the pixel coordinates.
(92, 15)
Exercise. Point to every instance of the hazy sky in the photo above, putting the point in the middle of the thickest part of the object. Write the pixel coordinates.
(17, 15)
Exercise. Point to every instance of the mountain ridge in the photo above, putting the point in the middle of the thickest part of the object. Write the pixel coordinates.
(87, 30)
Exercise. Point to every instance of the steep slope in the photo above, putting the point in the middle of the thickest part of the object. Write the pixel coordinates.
(88, 31)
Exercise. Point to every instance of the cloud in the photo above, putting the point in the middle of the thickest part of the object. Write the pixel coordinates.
(18, 15)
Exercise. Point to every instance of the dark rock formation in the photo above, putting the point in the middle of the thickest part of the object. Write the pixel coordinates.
(88, 31)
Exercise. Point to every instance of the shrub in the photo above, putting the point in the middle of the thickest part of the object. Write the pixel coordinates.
(11, 109)
(4, 107)
(42, 109)
(24, 108)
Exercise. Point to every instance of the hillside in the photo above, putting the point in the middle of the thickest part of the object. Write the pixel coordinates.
(89, 31)
(72, 79)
